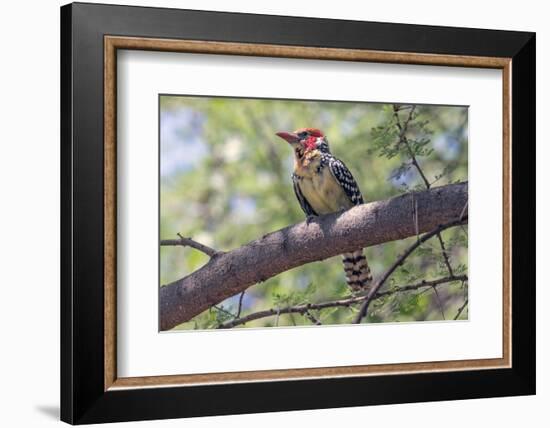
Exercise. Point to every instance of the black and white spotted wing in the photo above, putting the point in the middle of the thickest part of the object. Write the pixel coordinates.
(306, 207)
(343, 175)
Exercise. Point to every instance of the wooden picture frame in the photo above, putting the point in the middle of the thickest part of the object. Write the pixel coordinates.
(91, 390)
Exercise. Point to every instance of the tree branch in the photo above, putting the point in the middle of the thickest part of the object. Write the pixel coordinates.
(422, 284)
(240, 308)
(306, 307)
(439, 303)
(188, 242)
(230, 273)
(444, 252)
(403, 140)
(400, 260)
(461, 309)
(312, 318)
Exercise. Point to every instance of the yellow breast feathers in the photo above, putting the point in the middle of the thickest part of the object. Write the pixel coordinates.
(319, 187)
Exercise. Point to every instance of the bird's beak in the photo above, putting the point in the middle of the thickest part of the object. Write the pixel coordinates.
(290, 137)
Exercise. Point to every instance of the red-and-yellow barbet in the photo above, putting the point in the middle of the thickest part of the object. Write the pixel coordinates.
(323, 185)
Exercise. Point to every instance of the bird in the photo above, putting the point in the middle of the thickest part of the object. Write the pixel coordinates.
(323, 184)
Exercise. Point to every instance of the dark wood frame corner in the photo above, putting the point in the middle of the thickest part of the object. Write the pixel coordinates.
(90, 389)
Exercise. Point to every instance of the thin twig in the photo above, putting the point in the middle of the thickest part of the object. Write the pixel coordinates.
(292, 318)
(461, 309)
(219, 308)
(239, 309)
(188, 242)
(400, 260)
(439, 303)
(402, 128)
(403, 139)
(278, 313)
(312, 318)
(421, 284)
(445, 255)
(303, 308)
(403, 107)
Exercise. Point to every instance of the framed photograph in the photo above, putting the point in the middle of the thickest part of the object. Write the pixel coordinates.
(265, 213)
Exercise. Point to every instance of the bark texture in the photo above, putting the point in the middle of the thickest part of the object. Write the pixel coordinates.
(229, 273)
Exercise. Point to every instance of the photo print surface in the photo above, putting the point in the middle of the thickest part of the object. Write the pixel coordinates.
(238, 172)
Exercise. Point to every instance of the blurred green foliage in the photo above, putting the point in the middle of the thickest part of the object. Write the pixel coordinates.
(225, 180)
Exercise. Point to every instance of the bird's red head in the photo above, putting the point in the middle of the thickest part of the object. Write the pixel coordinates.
(306, 137)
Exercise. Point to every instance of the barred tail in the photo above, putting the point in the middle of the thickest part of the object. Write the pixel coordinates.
(358, 275)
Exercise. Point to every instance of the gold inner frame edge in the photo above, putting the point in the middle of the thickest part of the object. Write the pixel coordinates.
(113, 43)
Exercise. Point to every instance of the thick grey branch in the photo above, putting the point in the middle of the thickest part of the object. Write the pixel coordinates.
(366, 225)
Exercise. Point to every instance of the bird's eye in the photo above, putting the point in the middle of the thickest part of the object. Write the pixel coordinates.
(302, 135)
